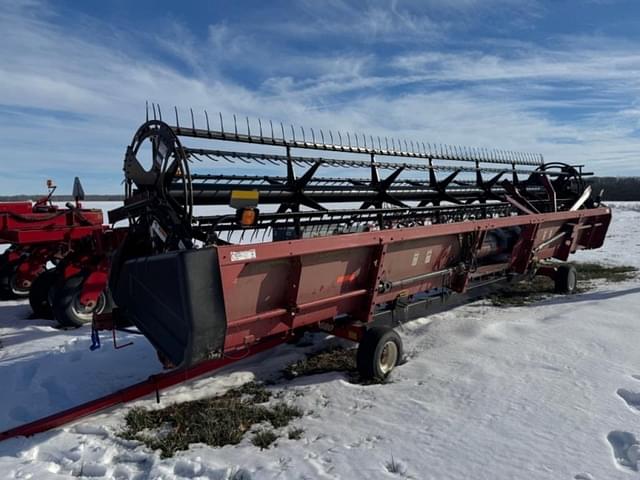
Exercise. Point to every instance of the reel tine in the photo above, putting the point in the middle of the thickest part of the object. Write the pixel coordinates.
(193, 124)
(331, 137)
(340, 138)
(159, 113)
(379, 143)
(293, 133)
(248, 129)
(322, 137)
(221, 125)
(284, 139)
(304, 140)
(386, 143)
(235, 125)
(206, 116)
(349, 139)
(272, 137)
(146, 107)
(175, 109)
(313, 137)
(260, 127)
(153, 106)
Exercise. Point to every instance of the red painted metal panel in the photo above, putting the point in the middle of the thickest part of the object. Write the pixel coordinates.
(19, 208)
(271, 288)
(424, 255)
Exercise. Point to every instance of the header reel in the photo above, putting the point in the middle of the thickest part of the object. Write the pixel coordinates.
(425, 184)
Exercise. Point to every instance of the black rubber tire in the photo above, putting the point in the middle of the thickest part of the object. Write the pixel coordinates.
(7, 279)
(371, 350)
(39, 294)
(566, 279)
(64, 302)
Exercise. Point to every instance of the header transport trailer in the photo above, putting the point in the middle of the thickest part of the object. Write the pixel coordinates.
(287, 250)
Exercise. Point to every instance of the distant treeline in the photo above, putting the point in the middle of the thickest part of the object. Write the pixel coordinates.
(615, 189)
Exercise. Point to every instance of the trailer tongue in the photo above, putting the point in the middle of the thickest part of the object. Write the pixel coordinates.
(348, 253)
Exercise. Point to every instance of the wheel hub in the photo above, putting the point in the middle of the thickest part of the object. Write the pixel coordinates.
(388, 357)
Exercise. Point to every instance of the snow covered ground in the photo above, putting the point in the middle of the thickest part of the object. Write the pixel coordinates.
(544, 391)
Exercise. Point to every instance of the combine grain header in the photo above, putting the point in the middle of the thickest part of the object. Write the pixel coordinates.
(217, 265)
(392, 230)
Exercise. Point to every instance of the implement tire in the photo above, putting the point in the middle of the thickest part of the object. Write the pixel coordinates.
(66, 306)
(40, 292)
(380, 350)
(566, 279)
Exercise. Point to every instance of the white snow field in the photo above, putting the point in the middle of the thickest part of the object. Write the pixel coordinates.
(545, 391)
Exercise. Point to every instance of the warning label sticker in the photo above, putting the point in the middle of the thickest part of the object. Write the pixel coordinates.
(243, 255)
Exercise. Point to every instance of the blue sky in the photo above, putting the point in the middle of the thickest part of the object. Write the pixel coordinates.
(560, 77)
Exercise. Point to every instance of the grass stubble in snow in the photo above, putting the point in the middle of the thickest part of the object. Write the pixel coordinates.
(226, 418)
(216, 421)
(590, 275)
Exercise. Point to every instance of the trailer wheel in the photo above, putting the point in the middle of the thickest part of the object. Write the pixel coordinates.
(66, 306)
(379, 352)
(39, 294)
(566, 279)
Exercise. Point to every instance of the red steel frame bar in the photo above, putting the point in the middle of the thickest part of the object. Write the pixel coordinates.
(152, 385)
(275, 250)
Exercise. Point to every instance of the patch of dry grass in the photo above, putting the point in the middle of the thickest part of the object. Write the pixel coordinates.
(527, 292)
(216, 421)
(333, 360)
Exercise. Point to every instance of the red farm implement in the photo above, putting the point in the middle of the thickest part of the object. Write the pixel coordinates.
(57, 257)
(219, 264)
(445, 224)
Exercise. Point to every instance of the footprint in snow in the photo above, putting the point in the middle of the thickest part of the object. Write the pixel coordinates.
(632, 399)
(583, 476)
(626, 449)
